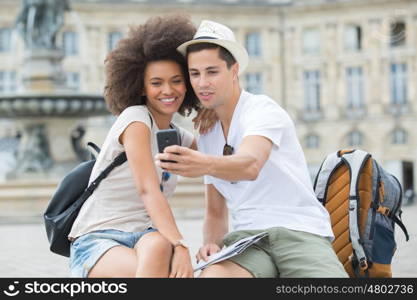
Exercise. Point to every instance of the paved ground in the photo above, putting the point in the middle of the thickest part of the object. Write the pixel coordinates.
(24, 249)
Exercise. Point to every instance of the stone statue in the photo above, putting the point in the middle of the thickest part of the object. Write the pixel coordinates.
(36, 155)
(83, 154)
(39, 21)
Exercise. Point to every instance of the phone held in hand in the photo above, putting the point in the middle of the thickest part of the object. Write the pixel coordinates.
(165, 138)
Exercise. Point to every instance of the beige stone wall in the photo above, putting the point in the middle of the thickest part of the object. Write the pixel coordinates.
(375, 58)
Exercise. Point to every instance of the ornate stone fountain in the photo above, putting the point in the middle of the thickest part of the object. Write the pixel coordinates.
(44, 110)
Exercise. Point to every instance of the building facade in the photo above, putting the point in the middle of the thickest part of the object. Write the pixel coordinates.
(350, 74)
(344, 70)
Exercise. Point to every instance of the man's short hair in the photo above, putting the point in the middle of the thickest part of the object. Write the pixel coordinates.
(223, 53)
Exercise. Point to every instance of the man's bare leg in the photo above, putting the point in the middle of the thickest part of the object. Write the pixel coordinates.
(225, 269)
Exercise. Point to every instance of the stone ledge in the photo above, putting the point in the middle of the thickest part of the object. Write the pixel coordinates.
(25, 201)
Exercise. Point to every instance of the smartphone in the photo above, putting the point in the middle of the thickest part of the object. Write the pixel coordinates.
(165, 138)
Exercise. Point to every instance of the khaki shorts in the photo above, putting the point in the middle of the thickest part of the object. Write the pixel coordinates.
(288, 254)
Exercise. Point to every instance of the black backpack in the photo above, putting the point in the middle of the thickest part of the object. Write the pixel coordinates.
(67, 200)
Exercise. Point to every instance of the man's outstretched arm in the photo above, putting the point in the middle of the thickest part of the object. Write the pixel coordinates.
(245, 164)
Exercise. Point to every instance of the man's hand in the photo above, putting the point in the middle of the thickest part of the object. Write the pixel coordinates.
(181, 266)
(206, 251)
(205, 120)
(189, 163)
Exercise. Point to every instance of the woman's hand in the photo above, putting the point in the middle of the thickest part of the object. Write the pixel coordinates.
(205, 120)
(181, 264)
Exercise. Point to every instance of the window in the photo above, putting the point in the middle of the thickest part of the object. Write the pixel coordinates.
(398, 83)
(5, 37)
(353, 38)
(399, 136)
(354, 86)
(7, 81)
(70, 41)
(311, 41)
(113, 38)
(253, 44)
(254, 83)
(73, 81)
(397, 34)
(312, 141)
(355, 138)
(312, 90)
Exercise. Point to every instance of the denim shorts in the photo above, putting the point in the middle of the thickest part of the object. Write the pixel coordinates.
(88, 249)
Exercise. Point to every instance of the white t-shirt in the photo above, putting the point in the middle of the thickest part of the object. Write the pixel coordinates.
(116, 203)
(282, 195)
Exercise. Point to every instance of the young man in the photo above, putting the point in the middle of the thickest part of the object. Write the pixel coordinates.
(254, 170)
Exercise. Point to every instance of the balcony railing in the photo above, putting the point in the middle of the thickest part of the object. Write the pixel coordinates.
(353, 113)
(308, 115)
(398, 109)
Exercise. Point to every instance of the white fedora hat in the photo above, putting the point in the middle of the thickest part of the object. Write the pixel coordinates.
(215, 33)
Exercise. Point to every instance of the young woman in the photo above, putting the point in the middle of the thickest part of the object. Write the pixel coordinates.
(126, 228)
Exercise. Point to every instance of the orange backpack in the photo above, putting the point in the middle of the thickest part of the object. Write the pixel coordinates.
(364, 203)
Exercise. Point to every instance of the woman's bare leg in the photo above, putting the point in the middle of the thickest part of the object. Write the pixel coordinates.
(119, 261)
(154, 253)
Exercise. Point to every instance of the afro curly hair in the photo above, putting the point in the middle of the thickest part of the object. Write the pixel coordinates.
(125, 66)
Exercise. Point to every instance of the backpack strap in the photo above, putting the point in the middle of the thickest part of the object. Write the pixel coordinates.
(95, 147)
(398, 221)
(356, 160)
(326, 170)
(150, 117)
(119, 160)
